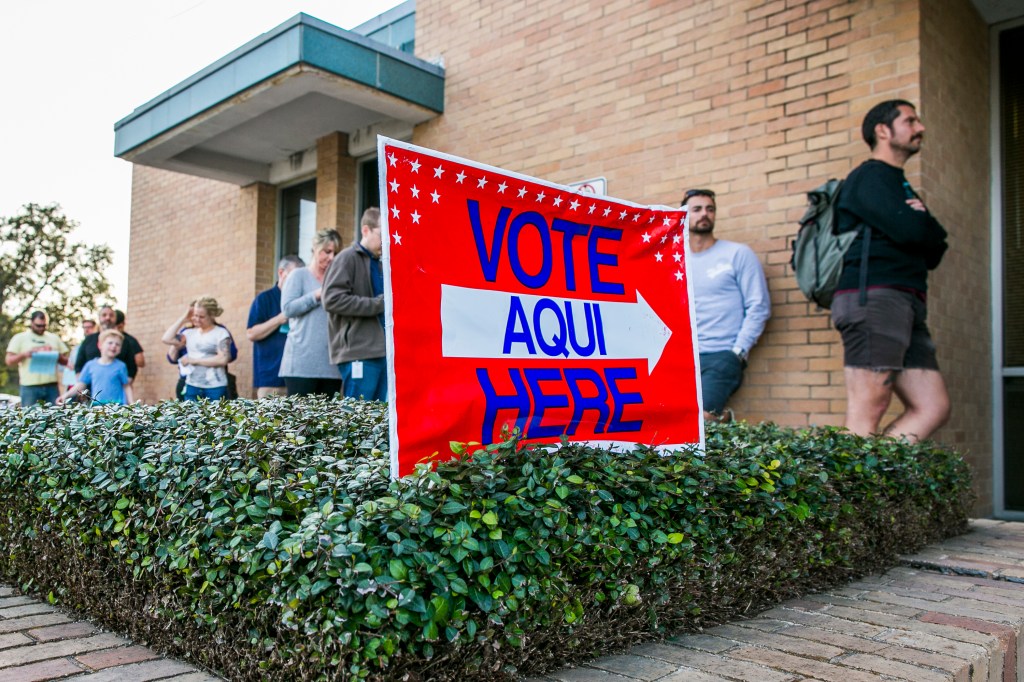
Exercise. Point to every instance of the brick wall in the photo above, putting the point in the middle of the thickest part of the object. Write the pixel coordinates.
(190, 237)
(955, 177)
(760, 101)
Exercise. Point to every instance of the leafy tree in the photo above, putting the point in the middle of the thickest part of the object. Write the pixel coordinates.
(41, 268)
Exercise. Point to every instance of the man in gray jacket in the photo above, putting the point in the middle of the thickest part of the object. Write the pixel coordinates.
(353, 296)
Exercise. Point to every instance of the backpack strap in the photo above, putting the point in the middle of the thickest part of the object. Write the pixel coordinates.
(866, 230)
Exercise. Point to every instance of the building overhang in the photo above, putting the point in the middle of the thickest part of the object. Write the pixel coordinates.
(274, 97)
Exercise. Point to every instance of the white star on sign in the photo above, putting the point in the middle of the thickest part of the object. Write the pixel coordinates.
(677, 256)
(415, 192)
(647, 237)
(415, 216)
(622, 215)
(636, 217)
(607, 210)
(574, 205)
(435, 196)
(415, 166)
(502, 187)
(676, 238)
(393, 159)
(522, 193)
(540, 197)
(658, 257)
(679, 275)
(593, 207)
(557, 201)
(394, 211)
(438, 172)
(460, 177)
(394, 185)
(664, 238)
(666, 221)
(481, 183)
(398, 238)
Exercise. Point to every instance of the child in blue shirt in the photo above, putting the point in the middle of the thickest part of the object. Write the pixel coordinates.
(104, 378)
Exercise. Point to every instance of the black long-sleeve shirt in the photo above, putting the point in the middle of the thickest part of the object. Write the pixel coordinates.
(905, 243)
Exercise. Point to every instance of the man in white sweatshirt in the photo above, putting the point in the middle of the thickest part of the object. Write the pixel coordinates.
(730, 301)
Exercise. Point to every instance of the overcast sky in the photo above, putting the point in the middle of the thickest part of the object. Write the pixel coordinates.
(72, 69)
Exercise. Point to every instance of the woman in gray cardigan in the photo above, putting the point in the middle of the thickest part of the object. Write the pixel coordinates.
(305, 366)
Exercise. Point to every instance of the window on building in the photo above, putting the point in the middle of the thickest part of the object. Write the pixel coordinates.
(399, 34)
(1011, 86)
(298, 220)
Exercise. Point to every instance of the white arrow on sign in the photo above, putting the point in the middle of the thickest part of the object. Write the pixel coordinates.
(474, 323)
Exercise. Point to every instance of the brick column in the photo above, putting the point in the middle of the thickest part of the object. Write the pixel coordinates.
(335, 186)
(256, 221)
(258, 211)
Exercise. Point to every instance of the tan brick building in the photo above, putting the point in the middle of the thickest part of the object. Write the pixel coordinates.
(761, 101)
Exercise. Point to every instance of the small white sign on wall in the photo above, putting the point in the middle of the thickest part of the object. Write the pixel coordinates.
(593, 186)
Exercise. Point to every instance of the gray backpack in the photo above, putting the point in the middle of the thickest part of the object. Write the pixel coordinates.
(818, 250)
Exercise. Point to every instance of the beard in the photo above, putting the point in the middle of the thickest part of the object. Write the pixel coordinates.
(913, 146)
(703, 227)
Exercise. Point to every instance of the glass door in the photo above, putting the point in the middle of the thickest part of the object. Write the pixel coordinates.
(1010, 484)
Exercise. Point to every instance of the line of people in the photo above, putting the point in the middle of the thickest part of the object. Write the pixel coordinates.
(318, 330)
(49, 372)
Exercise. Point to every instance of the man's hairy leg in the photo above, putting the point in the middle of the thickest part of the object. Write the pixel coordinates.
(868, 393)
(925, 401)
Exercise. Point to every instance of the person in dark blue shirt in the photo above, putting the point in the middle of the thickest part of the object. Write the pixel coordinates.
(268, 331)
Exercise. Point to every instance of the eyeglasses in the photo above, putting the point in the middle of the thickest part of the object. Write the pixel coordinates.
(696, 193)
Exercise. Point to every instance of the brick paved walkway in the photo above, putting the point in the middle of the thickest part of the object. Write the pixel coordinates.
(954, 611)
(39, 642)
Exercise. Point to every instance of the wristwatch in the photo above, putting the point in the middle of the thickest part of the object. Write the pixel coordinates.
(740, 353)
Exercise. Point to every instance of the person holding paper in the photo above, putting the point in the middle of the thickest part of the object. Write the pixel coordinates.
(37, 354)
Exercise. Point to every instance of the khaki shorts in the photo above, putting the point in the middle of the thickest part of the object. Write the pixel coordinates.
(888, 333)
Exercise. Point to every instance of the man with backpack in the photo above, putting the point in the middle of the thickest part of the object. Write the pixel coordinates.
(731, 303)
(879, 304)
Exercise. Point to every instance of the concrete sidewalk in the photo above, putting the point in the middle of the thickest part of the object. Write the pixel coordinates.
(954, 611)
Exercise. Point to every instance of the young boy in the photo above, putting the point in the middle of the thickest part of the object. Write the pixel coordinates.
(106, 377)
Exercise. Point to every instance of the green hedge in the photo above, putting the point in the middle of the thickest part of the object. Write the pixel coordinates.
(266, 540)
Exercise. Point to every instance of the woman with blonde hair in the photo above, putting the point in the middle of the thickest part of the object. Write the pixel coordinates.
(209, 349)
(306, 366)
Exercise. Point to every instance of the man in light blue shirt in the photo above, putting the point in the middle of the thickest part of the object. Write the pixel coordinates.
(730, 301)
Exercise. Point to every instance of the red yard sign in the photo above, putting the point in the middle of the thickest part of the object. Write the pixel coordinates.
(514, 301)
